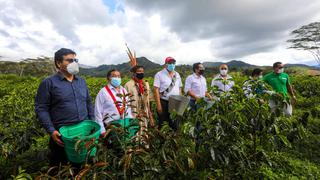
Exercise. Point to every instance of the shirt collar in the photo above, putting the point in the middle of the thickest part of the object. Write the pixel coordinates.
(165, 70)
(277, 74)
(228, 77)
(62, 77)
(113, 88)
(137, 81)
(196, 76)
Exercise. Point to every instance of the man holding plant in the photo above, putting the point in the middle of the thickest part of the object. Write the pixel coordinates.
(280, 82)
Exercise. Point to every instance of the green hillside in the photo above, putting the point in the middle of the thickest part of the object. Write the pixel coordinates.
(44, 67)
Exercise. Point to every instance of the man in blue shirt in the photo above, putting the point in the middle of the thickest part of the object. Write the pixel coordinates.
(62, 99)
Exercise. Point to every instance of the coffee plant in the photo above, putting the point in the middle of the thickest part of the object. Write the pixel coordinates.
(233, 137)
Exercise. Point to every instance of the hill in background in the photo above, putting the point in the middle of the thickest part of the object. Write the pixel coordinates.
(124, 68)
(231, 64)
(44, 66)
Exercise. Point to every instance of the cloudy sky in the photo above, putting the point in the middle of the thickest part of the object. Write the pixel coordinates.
(254, 31)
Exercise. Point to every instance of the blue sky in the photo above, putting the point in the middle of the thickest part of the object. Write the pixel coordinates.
(114, 5)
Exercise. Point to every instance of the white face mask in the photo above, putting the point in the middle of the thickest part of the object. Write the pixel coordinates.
(280, 70)
(73, 68)
(223, 72)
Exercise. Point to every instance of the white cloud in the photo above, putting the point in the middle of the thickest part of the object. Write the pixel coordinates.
(188, 31)
(279, 54)
(26, 37)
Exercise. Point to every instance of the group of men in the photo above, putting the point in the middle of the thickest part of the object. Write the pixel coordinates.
(64, 98)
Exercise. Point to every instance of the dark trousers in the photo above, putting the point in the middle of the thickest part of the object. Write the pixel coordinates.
(57, 157)
(57, 154)
(165, 116)
(192, 104)
(194, 107)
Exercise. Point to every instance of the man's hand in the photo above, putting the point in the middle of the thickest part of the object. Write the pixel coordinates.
(293, 100)
(210, 97)
(159, 109)
(197, 98)
(152, 122)
(271, 93)
(103, 135)
(158, 101)
(56, 137)
(261, 101)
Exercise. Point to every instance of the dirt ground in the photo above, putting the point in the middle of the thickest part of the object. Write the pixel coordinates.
(313, 72)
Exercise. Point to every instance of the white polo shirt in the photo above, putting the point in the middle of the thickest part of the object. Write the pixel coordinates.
(105, 105)
(197, 84)
(162, 80)
(223, 85)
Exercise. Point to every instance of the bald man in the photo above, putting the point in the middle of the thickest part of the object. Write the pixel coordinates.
(223, 81)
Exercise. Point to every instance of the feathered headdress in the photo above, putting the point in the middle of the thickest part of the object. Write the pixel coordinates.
(132, 57)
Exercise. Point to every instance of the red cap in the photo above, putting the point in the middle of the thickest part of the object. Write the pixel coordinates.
(169, 59)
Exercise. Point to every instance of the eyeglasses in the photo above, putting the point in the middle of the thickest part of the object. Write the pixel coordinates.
(72, 60)
(224, 69)
(281, 67)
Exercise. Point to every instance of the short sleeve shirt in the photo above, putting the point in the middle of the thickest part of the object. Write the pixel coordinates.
(162, 80)
(278, 82)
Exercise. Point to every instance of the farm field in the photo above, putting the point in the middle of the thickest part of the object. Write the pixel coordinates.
(239, 138)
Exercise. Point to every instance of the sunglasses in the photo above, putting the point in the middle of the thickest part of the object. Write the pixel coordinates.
(72, 60)
(224, 69)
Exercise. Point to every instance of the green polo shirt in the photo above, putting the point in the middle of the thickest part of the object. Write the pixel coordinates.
(278, 82)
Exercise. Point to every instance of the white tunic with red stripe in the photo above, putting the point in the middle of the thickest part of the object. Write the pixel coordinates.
(105, 106)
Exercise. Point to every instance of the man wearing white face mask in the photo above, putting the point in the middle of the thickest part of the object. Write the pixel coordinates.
(166, 83)
(223, 81)
(62, 99)
(109, 106)
(281, 84)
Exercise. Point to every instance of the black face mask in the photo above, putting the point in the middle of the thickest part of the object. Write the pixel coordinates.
(201, 72)
(140, 75)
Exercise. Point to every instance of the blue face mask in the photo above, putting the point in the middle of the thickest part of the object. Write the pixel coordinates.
(116, 82)
(171, 67)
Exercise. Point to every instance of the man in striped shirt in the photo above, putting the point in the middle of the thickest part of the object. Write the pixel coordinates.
(223, 81)
(254, 86)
